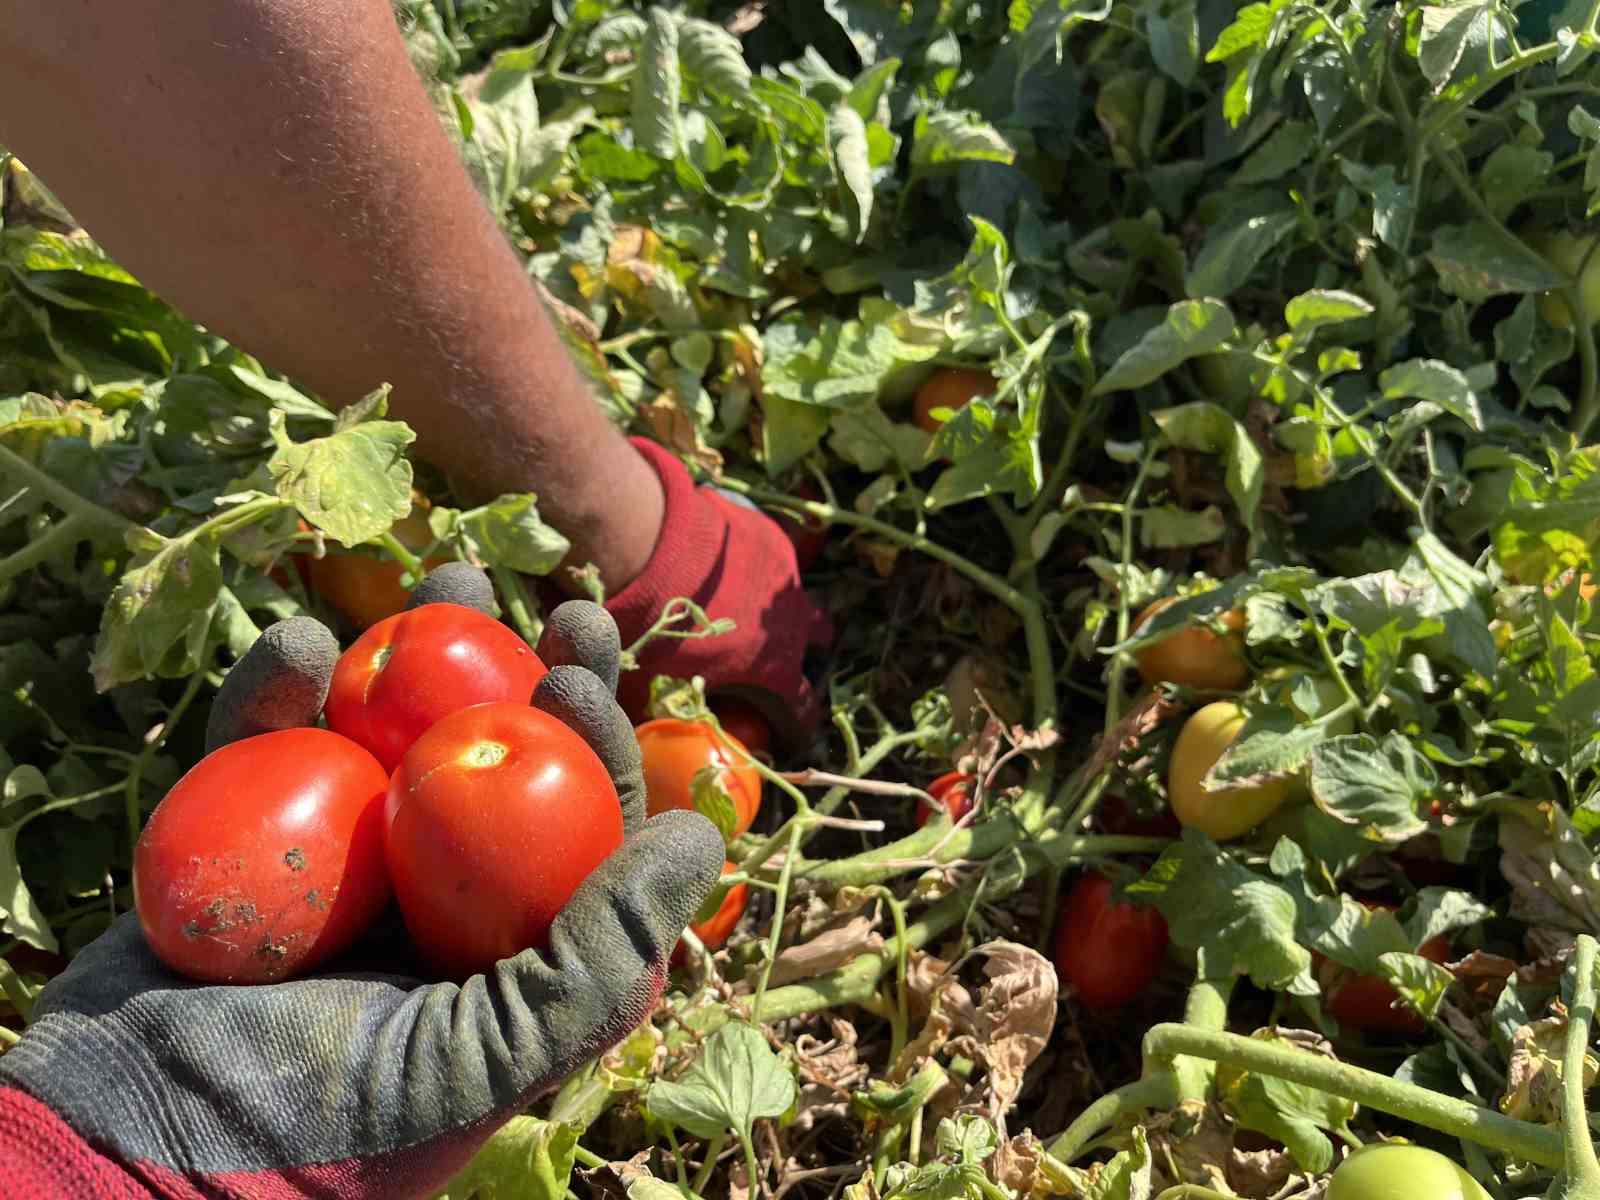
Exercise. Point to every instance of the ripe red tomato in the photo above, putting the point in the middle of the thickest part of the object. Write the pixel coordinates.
(952, 790)
(265, 859)
(1107, 953)
(361, 586)
(413, 668)
(745, 724)
(952, 388)
(1368, 1001)
(807, 535)
(675, 751)
(494, 817)
(714, 930)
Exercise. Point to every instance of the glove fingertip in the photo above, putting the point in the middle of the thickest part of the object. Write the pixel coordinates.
(455, 583)
(281, 682)
(582, 633)
(580, 700)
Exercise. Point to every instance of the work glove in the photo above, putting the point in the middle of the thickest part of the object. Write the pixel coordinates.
(733, 561)
(353, 1083)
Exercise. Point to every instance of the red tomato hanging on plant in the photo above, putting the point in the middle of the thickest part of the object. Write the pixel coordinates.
(1368, 1002)
(675, 751)
(265, 859)
(1107, 953)
(952, 791)
(413, 668)
(494, 817)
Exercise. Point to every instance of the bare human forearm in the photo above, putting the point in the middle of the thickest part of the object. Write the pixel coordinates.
(274, 169)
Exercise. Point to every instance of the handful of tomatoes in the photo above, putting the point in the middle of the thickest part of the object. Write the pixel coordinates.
(434, 782)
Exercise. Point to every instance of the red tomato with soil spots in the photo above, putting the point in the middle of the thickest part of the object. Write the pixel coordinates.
(953, 792)
(1107, 953)
(494, 817)
(413, 668)
(675, 751)
(265, 859)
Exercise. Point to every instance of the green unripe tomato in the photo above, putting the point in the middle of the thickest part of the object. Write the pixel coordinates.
(1398, 1172)
(1567, 252)
(1229, 812)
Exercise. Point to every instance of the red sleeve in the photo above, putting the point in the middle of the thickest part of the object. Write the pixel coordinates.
(40, 1156)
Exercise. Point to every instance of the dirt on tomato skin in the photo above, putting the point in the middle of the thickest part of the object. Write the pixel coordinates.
(295, 858)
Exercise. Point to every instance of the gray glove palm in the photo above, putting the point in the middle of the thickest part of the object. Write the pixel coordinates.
(365, 1083)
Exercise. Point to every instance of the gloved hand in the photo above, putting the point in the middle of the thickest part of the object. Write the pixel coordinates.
(734, 562)
(351, 1084)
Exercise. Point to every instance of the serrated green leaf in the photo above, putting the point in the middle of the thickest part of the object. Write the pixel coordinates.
(1382, 787)
(159, 615)
(1191, 328)
(509, 532)
(1231, 253)
(847, 143)
(657, 88)
(736, 1080)
(353, 484)
(713, 57)
(946, 138)
(1310, 311)
(525, 1159)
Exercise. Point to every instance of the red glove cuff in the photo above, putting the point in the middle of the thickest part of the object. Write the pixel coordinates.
(40, 1156)
(736, 563)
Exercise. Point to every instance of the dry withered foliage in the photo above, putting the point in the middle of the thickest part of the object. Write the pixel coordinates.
(829, 1069)
(827, 950)
(1533, 1076)
(1016, 1013)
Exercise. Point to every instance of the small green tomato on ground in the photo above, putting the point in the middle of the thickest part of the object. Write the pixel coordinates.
(1399, 1172)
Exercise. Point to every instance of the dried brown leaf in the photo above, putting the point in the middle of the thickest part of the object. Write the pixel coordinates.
(1016, 1014)
(1533, 1076)
(828, 950)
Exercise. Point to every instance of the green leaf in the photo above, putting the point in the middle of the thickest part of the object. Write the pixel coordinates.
(1512, 173)
(1293, 1113)
(1421, 982)
(1191, 328)
(1231, 253)
(711, 800)
(1245, 35)
(1167, 527)
(1444, 910)
(1210, 429)
(1284, 149)
(736, 1080)
(713, 58)
(509, 532)
(1380, 786)
(1437, 382)
(1476, 261)
(158, 617)
(839, 364)
(947, 138)
(525, 1159)
(847, 143)
(353, 484)
(870, 441)
(1241, 922)
(657, 88)
(23, 918)
(1392, 202)
(1310, 311)
(1450, 34)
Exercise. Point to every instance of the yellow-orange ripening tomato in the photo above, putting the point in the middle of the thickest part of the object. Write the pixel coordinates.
(1195, 657)
(361, 587)
(675, 751)
(952, 388)
(1228, 812)
(1571, 254)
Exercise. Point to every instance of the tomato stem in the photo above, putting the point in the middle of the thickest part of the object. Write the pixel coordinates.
(63, 535)
(1581, 1168)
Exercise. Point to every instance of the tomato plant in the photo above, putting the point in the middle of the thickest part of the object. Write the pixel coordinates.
(413, 668)
(1195, 657)
(1399, 1172)
(675, 752)
(950, 388)
(1226, 812)
(1369, 1002)
(265, 859)
(1107, 952)
(494, 817)
(952, 792)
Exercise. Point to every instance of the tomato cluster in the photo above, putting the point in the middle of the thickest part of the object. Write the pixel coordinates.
(435, 782)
